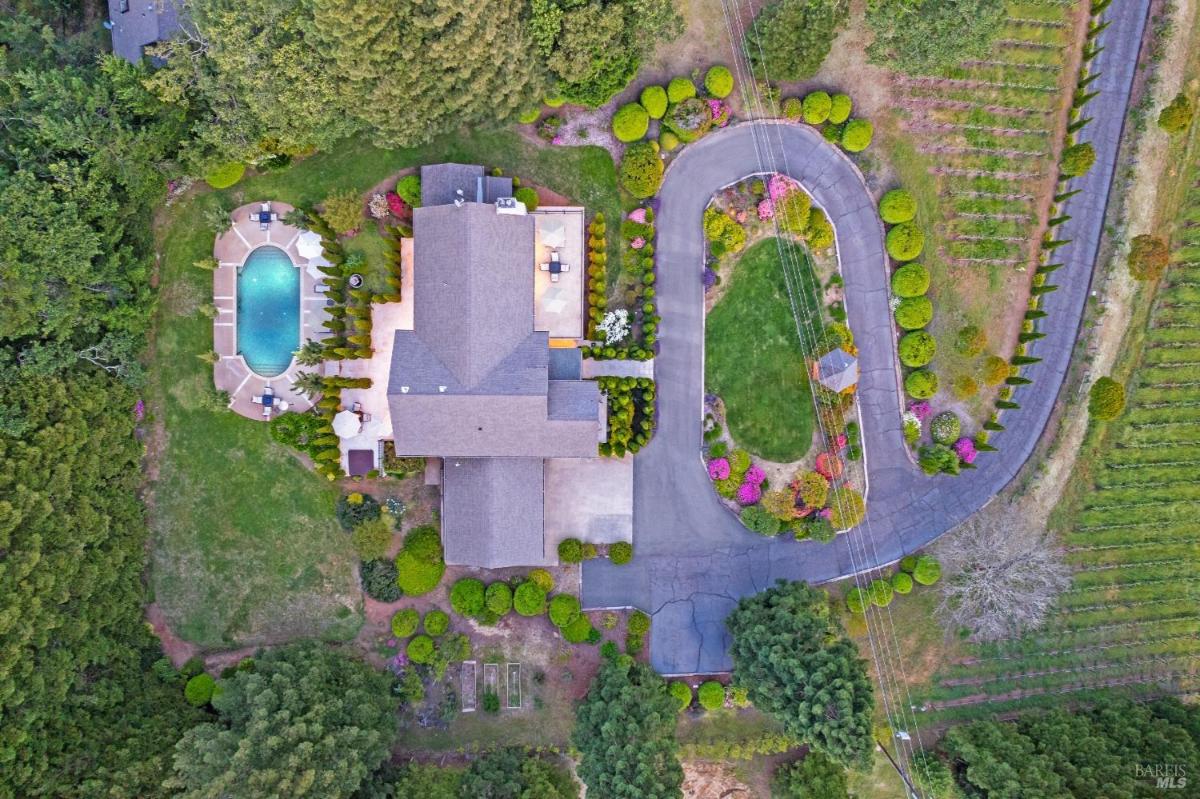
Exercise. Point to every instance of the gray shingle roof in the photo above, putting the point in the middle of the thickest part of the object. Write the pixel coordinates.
(492, 512)
(573, 400)
(566, 363)
(439, 182)
(145, 22)
(837, 370)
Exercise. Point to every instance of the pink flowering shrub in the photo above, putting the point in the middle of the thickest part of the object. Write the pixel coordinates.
(741, 216)
(718, 469)
(749, 493)
(139, 410)
(921, 410)
(964, 448)
(766, 210)
(755, 475)
(780, 185)
(396, 206)
(638, 243)
(825, 513)
(841, 441)
(638, 215)
(719, 112)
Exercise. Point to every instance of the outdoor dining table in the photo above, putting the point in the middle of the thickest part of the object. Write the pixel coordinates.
(264, 216)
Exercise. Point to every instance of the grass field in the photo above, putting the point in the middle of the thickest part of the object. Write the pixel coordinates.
(1128, 622)
(754, 359)
(246, 548)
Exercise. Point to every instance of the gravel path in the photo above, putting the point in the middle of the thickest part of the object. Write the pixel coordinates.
(693, 559)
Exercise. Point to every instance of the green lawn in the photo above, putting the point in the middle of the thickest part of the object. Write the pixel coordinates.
(753, 356)
(246, 548)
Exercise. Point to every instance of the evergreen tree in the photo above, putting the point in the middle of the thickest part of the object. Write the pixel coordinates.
(794, 660)
(512, 774)
(789, 39)
(625, 733)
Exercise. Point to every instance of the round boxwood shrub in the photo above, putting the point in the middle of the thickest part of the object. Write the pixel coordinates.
(840, 107)
(857, 600)
(419, 566)
(856, 136)
(436, 622)
(222, 177)
(355, 508)
(654, 99)
(1106, 399)
(927, 571)
(1148, 257)
(970, 340)
(908, 563)
(563, 609)
(816, 107)
(963, 387)
(529, 599)
(711, 695)
(620, 552)
(897, 206)
(409, 189)
(404, 622)
(758, 519)
(680, 89)
(1078, 159)
(542, 579)
(793, 109)
(945, 428)
(913, 313)
(910, 280)
(881, 593)
(530, 116)
(578, 630)
(689, 120)
(420, 649)
(995, 370)
(570, 550)
(682, 692)
(718, 81)
(199, 690)
(921, 384)
(554, 100)
(639, 623)
(846, 508)
(668, 141)
(631, 122)
(467, 597)
(905, 241)
(527, 196)
(902, 583)
(498, 598)
(378, 578)
(641, 170)
(917, 349)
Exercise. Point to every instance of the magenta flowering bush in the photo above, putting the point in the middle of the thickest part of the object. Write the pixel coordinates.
(780, 185)
(718, 469)
(921, 410)
(749, 493)
(741, 216)
(964, 448)
(638, 215)
(719, 112)
(139, 410)
(841, 441)
(766, 210)
(638, 243)
(755, 475)
(825, 513)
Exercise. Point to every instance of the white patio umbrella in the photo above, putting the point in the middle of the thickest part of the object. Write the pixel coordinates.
(554, 300)
(554, 232)
(347, 424)
(308, 244)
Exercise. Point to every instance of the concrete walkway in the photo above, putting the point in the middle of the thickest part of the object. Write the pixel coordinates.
(616, 368)
(692, 559)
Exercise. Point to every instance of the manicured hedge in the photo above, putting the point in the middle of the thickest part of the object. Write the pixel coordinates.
(224, 176)
(654, 100)
(856, 136)
(840, 108)
(718, 81)
(902, 583)
(711, 695)
(639, 623)
(419, 564)
(404, 622)
(631, 122)
(199, 690)
(905, 241)
(641, 170)
(927, 571)
(680, 89)
(542, 579)
(436, 622)
(913, 313)
(527, 196)
(857, 600)
(578, 631)
(420, 649)
(793, 108)
(910, 280)
(881, 593)
(498, 599)
(529, 599)
(467, 597)
(682, 692)
(570, 550)
(1106, 399)
(816, 107)
(917, 349)
(921, 384)
(897, 206)
(668, 141)
(564, 609)
(621, 552)
(409, 189)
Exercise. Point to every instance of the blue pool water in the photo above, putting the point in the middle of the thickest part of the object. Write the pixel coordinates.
(268, 311)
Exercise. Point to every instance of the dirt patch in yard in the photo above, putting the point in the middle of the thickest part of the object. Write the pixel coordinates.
(703, 780)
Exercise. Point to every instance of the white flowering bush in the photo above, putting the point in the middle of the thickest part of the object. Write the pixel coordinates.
(378, 206)
(614, 326)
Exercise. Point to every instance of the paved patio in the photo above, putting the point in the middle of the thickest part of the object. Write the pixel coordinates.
(558, 305)
(231, 249)
(588, 498)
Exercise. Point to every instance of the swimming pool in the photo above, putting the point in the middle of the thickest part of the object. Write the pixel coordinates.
(268, 311)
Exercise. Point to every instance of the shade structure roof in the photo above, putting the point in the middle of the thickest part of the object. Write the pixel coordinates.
(346, 424)
(837, 370)
(555, 299)
(553, 231)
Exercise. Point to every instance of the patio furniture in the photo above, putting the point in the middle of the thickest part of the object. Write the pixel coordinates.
(266, 411)
(366, 417)
(554, 277)
(283, 405)
(257, 399)
(356, 407)
(321, 287)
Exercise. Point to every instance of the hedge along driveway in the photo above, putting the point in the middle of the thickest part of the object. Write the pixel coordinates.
(753, 356)
(246, 547)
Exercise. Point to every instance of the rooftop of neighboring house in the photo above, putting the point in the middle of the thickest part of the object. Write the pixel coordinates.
(138, 23)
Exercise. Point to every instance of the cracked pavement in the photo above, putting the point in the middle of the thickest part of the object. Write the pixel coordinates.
(693, 559)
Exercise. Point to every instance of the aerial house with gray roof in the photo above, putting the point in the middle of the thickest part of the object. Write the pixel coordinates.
(473, 381)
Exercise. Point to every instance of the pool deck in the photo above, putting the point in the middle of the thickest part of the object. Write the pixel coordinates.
(231, 249)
